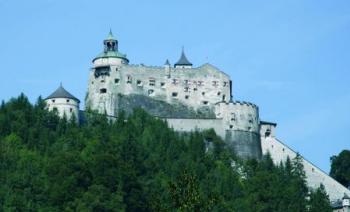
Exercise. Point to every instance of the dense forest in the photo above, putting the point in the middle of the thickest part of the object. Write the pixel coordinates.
(135, 163)
(340, 168)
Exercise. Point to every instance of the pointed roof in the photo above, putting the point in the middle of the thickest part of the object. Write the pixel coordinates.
(110, 35)
(346, 196)
(62, 93)
(167, 63)
(183, 59)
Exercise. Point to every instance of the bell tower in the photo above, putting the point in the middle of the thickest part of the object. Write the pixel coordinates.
(110, 43)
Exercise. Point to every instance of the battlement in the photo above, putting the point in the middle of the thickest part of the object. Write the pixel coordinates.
(241, 103)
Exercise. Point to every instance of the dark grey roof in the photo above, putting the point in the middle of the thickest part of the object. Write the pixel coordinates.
(183, 60)
(346, 196)
(62, 93)
(268, 123)
(167, 62)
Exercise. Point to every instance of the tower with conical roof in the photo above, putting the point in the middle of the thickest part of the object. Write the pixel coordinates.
(64, 103)
(183, 62)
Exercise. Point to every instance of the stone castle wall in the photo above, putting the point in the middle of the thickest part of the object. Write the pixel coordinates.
(195, 87)
(315, 176)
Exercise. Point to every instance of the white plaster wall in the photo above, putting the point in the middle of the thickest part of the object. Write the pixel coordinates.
(109, 61)
(70, 107)
(315, 176)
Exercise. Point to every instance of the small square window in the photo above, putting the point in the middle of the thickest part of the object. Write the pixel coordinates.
(116, 81)
(174, 94)
(187, 96)
(152, 82)
(139, 82)
(103, 90)
(67, 100)
(162, 84)
(53, 101)
(205, 102)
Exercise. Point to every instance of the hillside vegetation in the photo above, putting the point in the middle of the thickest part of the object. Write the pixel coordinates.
(136, 163)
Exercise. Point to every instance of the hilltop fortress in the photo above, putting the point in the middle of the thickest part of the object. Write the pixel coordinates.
(189, 98)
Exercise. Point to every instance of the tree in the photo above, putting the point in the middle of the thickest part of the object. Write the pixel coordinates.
(319, 201)
(340, 168)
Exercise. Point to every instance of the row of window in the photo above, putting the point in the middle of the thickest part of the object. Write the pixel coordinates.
(152, 82)
(53, 100)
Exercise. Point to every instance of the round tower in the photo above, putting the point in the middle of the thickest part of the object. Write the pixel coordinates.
(241, 124)
(110, 54)
(64, 102)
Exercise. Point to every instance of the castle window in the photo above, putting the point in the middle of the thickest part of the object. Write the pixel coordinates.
(103, 90)
(129, 79)
(283, 149)
(267, 133)
(139, 82)
(219, 93)
(53, 101)
(231, 126)
(194, 89)
(102, 71)
(71, 110)
(205, 102)
(186, 82)
(186, 89)
(67, 100)
(150, 92)
(162, 84)
(313, 169)
(116, 81)
(102, 81)
(203, 93)
(187, 96)
(116, 69)
(174, 94)
(92, 82)
(152, 82)
(223, 97)
(225, 84)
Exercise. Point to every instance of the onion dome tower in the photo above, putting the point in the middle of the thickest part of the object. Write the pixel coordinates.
(64, 102)
(183, 61)
(110, 54)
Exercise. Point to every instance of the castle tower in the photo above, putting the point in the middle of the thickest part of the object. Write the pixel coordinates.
(241, 127)
(110, 54)
(346, 202)
(183, 61)
(64, 102)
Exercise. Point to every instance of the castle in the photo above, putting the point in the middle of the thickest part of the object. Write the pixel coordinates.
(188, 98)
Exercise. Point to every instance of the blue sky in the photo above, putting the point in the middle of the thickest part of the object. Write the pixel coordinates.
(290, 57)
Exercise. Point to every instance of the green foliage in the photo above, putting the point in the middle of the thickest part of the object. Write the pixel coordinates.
(135, 163)
(340, 167)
